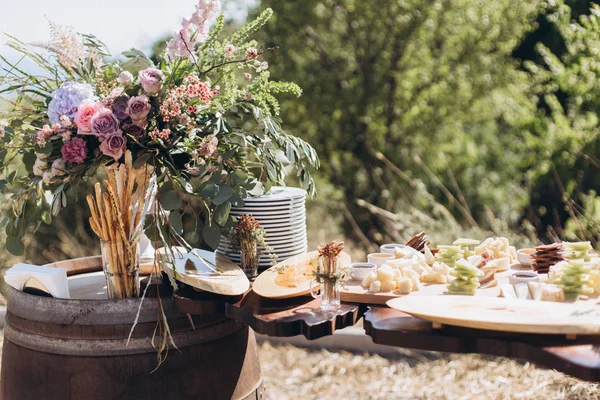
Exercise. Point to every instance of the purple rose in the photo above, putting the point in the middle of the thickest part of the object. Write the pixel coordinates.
(138, 109)
(114, 145)
(104, 123)
(74, 151)
(151, 80)
(134, 130)
(119, 107)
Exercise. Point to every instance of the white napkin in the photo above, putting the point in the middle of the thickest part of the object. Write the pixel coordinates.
(54, 279)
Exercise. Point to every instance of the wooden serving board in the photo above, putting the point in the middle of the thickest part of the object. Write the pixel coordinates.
(352, 291)
(508, 315)
(270, 285)
(230, 280)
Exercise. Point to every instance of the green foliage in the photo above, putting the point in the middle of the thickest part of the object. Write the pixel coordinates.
(404, 95)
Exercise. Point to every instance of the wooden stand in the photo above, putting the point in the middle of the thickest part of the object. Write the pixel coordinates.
(291, 317)
(579, 357)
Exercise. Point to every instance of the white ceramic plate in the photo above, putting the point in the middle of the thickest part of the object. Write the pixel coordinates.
(236, 256)
(280, 193)
(272, 241)
(290, 226)
(277, 249)
(267, 213)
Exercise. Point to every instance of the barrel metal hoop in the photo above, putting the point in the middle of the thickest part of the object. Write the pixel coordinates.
(118, 347)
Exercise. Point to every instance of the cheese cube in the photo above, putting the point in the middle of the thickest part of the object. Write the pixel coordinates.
(387, 286)
(366, 283)
(385, 273)
(375, 287)
(404, 285)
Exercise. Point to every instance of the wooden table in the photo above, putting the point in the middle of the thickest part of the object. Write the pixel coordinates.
(579, 357)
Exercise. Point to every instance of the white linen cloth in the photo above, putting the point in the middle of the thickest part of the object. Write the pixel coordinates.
(54, 279)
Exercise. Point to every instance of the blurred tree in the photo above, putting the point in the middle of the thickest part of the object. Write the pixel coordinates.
(398, 95)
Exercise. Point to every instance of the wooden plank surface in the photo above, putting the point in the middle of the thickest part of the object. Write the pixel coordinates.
(509, 315)
(291, 317)
(579, 357)
(269, 284)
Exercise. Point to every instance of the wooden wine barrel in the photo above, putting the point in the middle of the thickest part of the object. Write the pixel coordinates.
(77, 349)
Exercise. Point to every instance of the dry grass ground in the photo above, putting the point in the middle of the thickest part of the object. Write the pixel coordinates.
(294, 373)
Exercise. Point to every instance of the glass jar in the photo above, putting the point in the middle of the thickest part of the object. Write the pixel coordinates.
(250, 258)
(330, 283)
(121, 269)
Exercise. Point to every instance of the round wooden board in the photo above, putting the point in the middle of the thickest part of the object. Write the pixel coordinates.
(265, 284)
(230, 281)
(507, 315)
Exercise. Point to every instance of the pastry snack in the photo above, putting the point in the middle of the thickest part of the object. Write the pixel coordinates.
(546, 256)
(418, 241)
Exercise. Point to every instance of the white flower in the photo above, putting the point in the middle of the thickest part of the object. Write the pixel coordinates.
(125, 78)
(247, 76)
(228, 50)
(262, 67)
(58, 167)
(65, 122)
(47, 177)
(39, 167)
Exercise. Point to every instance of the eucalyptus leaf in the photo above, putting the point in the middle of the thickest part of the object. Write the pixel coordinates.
(15, 245)
(223, 195)
(141, 160)
(211, 234)
(170, 200)
(176, 222)
(192, 237)
(208, 190)
(222, 213)
(47, 149)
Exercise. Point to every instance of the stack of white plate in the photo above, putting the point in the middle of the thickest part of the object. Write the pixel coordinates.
(282, 213)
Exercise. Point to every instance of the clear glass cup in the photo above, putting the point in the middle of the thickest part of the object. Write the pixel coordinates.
(330, 284)
(121, 269)
(250, 258)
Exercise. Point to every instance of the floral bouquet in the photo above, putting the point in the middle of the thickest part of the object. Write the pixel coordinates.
(203, 120)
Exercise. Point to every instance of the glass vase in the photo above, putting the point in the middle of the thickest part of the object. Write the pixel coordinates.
(330, 283)
(121, 264)
(250, 257)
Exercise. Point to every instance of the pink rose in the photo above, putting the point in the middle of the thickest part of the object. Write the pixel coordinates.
(74, 151)
(83, 118)
(151, 80)
(114, 145)
(104, 123)
(138, 109)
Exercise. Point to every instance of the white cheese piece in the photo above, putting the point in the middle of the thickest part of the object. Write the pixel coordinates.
(508, 291)
(385, 273)
(404, 285)
(552, 293)
(501, 264)
(366, 283)
(535, 288)
(429, 258)
(397, 273)
(522, 291)
(375, 287)
(387, 286)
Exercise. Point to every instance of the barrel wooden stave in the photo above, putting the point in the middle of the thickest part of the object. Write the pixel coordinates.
(76, 349)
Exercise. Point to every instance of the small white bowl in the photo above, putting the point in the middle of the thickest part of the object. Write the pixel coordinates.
(524, 256)
(523, 277)
(379, 258)
(389, 248)
(361, 270)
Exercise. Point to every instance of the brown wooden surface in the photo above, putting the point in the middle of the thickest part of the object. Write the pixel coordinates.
(579, 357)
(291, 317)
